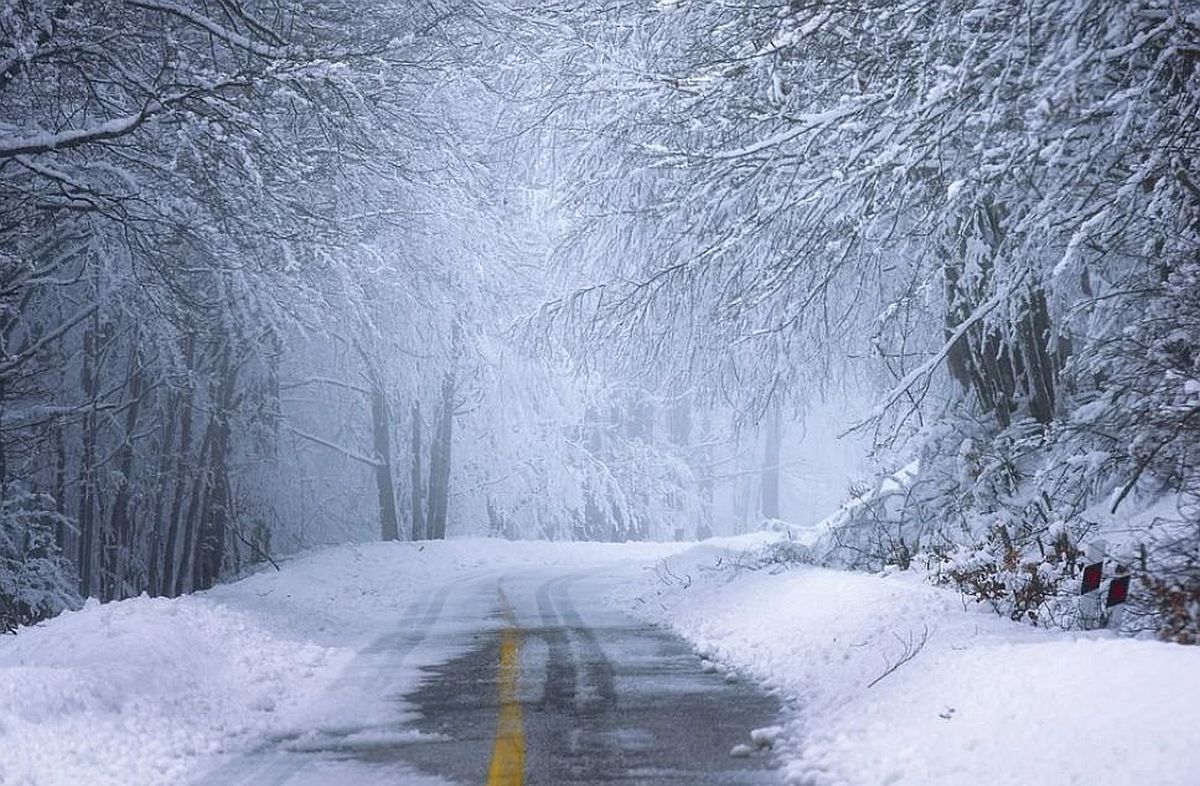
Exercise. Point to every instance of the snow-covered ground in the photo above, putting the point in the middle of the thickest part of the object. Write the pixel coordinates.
(983, 700)
(147, 692)
(151, 691)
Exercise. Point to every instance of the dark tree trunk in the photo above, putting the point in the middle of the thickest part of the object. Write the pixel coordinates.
(680, 422)
(381, 424)
(60, 486)
(166, 447)
(119, 538)
(183, 403)
(201, 497)
(87, 466)
(218, 509)
(209, 548)
(1004, 366)
(183, 566)
(3, 448)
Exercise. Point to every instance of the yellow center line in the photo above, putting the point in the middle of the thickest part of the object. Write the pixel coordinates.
(508, 755)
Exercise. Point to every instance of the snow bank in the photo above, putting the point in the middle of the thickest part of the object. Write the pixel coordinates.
(130, 692)
(982, 701)
(146, 691)
(142, 691)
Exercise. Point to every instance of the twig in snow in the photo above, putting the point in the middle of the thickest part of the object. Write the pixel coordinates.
(910, 649)
(686, 581)
(257, 549)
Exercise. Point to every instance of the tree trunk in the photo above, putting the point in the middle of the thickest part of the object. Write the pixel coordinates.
(703, 461)
(184, 405)
(389, 526)
(439, 461)
(183, 567)
(87, 468)
(215, 522)
(418, 512)
(60, 486)
(769, 491)
(3, 448)
(166, 446)
(1004, 368)
(679, 429)
(209, 549)
(119, 538)
(197, 512)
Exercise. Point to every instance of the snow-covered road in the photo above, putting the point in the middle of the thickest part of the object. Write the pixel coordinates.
(468, 661)
(597, 697)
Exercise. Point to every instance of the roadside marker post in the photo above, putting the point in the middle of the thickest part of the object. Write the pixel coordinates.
(1101, 603)
(1118, 593)
(1091, 614)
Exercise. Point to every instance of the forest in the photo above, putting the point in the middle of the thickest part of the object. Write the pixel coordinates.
(277, 274)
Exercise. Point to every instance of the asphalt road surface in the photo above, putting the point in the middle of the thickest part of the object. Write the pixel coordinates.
(533, 679)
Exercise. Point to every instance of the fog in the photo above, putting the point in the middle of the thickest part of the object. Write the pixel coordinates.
(276, 276)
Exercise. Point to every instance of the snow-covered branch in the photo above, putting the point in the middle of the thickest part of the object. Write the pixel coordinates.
(231, 37)
(928, 367)
(29, 353)
(11, 147)
(353, 455)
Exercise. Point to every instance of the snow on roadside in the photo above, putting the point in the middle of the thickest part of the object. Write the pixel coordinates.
(983, 701)
(129, 692)
(142, 692)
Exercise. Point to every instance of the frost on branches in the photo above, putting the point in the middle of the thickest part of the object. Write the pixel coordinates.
(35, 580)
(272, 277)
(999, 202)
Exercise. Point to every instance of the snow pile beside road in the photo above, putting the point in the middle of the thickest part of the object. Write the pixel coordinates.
(140, 691)
(888, 680)
(980, 700)
(129, 692)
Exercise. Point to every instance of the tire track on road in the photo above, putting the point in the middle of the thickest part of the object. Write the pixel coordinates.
(559, 687)
(273, 763)
(568, 734)
(600, 672)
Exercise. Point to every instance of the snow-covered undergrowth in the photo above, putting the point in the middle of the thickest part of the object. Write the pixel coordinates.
(892, 681)
(142, 692)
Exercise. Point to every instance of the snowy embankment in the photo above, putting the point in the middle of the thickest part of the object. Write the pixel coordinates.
(892, 681)
(151, 691)
(147, 692)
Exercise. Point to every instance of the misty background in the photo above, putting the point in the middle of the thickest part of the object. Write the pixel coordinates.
(275, 275)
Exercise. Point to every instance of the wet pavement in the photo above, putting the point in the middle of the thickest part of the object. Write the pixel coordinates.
(529, 679)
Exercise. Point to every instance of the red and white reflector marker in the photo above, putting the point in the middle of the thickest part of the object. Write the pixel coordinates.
(1118, 591)
(1091, 615)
